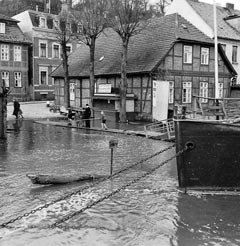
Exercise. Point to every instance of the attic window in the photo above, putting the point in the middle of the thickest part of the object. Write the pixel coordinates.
(2, 27)
(42, 22)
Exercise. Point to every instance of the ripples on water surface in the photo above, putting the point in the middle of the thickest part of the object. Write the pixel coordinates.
(149, 212)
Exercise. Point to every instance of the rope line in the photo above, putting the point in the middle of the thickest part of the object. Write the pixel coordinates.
(83, 189)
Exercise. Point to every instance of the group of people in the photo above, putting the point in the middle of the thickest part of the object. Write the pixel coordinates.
(17, 112)
(84, 117)
(81, 117)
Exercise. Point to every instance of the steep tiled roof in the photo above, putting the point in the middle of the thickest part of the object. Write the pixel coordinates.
(145, 49)
(205, 10)
(6, 18)
(13, 33)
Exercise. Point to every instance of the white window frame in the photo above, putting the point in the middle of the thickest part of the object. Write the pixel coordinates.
(42, 22)
(70, 46)
(53, 50)
(4, 52)
(17, 53)
(220, 90)
(17, 79)
(72, 91)
(203, 91)
(40, 53)
(171, 92)
(234, 54)
(204, 56)
(45, 70)
(187, 92)
(187, 54)
(5, 78)
(56, 24)
(2, 27)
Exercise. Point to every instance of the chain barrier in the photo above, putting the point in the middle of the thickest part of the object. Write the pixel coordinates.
(84, 188)
(115, 191)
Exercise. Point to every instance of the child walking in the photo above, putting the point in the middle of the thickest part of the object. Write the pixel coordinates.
(103, 121)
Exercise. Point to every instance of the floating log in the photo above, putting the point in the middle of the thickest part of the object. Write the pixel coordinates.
(45, 179)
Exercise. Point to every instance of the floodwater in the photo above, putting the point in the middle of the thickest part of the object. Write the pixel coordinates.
(124, 210)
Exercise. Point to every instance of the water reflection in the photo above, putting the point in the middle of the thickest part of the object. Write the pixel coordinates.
(208, 220)
(149, 212)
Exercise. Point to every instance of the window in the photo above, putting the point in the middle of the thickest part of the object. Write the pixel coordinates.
(18, 79)
(43, 49)
(72, 91)
(187, 92)
(42, 22)
(5, 78)
(52, 80)
(220, 90)
(56, 24)
(2, 27)
(171, 92)
(17, 53)
(234, 54)
(204, 91)
(204, 56)
(4, 52)
(224, 47)
(187, 54)
(56, 51)
(43, 77)
(69, 49)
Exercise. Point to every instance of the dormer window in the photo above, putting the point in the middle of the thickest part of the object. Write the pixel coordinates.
(42, 22)
(2, 27)
(56, 24)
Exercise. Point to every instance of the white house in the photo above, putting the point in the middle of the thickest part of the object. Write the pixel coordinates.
(200, 14)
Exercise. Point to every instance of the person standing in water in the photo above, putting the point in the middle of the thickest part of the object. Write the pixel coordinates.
(87, 115)
(16, 108)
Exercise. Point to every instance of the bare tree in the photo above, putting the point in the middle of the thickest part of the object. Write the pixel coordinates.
(161, 6)
(64, 33)
(127, 18)
(90, 17)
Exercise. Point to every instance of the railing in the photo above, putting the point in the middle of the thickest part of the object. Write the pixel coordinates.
(164, 128)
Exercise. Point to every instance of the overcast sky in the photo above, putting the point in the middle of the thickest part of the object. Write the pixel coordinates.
(221, 2)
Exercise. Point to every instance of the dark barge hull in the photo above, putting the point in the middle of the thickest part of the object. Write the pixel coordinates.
(214, 160)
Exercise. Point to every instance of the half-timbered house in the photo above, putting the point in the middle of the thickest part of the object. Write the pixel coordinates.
(169, 49)
(14, 59)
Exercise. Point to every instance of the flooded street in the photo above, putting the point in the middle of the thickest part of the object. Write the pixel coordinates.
(151, 211)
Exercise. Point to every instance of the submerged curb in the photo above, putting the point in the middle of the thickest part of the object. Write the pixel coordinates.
(118, 131)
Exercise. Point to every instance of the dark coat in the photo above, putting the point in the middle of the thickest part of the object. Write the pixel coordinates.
(16, 107)
(87, 113)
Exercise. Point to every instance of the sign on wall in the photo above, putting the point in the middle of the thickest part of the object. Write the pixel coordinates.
(104, 88)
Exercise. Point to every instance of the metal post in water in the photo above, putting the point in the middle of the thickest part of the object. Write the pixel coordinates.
(112, 144)
(111, 168)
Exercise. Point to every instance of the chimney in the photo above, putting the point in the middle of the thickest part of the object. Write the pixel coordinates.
(230, 6)
(36, 7)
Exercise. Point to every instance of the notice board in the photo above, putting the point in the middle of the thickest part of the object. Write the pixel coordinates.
(160, 99)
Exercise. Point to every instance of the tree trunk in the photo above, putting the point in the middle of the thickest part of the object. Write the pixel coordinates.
(3, 117)
(123, 85)
(66, 80)
(92, 77)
